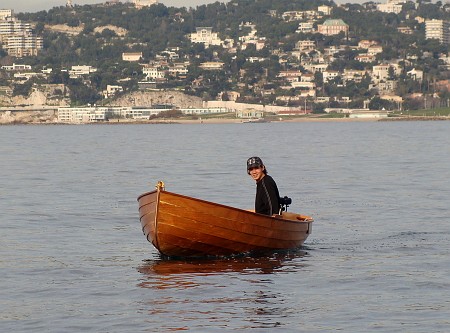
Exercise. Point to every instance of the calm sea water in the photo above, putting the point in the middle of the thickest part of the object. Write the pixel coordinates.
(73, 258)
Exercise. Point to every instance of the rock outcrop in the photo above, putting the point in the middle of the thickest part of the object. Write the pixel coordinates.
(149, 98)
(28, 117)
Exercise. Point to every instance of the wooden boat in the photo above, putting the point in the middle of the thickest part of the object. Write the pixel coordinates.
(182, 226)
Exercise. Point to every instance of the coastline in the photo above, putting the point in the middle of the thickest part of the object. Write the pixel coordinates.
(50, 118)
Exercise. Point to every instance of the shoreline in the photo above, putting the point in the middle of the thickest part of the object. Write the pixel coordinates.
(29, 118)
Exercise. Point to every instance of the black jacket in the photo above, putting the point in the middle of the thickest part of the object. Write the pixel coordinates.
(267, 199)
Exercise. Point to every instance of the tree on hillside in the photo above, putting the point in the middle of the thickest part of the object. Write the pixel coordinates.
(80, 94)
(23, 89)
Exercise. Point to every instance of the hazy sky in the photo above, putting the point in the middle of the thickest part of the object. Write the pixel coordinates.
(37, 5)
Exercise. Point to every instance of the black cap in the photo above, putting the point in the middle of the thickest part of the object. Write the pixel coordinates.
(254, 162)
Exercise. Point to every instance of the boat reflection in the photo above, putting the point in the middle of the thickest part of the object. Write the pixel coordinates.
(162, 273)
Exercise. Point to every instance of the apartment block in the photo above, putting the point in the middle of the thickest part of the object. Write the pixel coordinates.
(10, 27)
(438, 29)
(6, 14)
(23, 45)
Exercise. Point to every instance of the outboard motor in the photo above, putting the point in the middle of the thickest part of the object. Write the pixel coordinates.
(284, 204)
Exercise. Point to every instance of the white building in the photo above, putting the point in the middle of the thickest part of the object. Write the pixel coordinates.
(131, 56)
(12, 26)
(144, 3)
(374, 49)
(381, 72)
(365, 113)
(326, 10)
(16, 67)
(353, 75)
(83, 114)
(26, 75)
(6, 14)
(153, 72)
(99, 114)
(438, 29)
(364, 57)
(305, 27)
(365, 44)
(212, 65)
(305, 45)
(390, 8)
(251, 36)
(205, 36)
(290, 74)
(23, 45)
(78, 71)
(178, 69)
(111, 90)
(313, 68)
(167, 55)
(330, 75)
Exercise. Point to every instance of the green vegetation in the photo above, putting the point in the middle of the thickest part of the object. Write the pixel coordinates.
(437, 112)
(109, 30)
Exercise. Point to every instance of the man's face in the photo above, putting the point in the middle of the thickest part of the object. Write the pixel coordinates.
(257, 173)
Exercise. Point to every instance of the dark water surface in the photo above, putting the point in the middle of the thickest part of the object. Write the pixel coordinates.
(73, 258)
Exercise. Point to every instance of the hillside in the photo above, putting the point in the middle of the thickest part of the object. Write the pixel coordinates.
(279, 53)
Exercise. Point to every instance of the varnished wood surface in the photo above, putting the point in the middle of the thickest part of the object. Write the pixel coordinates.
(182, 226)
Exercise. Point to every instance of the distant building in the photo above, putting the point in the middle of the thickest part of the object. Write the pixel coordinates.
(438, 29)
(381, 72)
(6, 13)
(390, 7)
(83, 114)
(16, 37)
(365, 57)
(111, 90)
(92, 114)
(405, 30)
(144, 3)
(10, 27)
(364, 113)
(353, 75)
(23, 45)
(205, 36)
(290, 73)
(153, 72)
(415, 74)
(305, 27)
(16, 67)
(131, 56)
(333, 27)
(365, 44)
(330, 75)
(250, 114)
(293, 15)
(178, 69)
(78, 71)
(212, 65)
(305, 45)
(326, 10)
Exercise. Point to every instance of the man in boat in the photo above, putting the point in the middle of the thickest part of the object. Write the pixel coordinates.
(267, 200)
